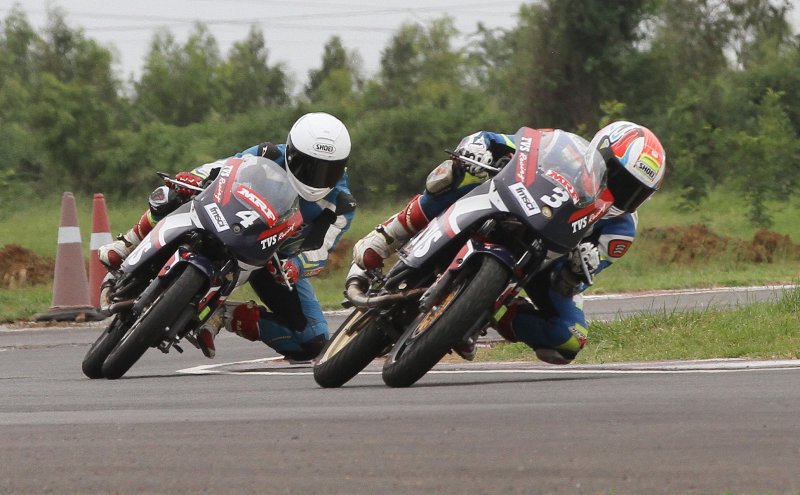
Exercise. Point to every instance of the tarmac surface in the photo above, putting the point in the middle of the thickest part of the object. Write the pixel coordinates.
(249, 422)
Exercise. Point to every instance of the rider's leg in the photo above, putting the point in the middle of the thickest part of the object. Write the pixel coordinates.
(556, 337)
(162, 201)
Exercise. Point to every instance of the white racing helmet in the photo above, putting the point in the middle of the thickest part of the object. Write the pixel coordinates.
(317, 150)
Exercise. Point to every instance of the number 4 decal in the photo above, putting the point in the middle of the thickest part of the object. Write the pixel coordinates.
(248, 218)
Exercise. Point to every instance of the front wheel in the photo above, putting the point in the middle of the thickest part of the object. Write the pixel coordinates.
(162, 313)
(92, 365)
(431, 336)
(354, 345)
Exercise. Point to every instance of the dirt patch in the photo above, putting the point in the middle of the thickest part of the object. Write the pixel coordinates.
(22, 268)
(697, 243)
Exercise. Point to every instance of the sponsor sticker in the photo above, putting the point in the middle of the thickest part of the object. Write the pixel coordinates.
(618, 247)
(216, 215)
(567, 185)
(324, 148)
(525, 199)
(258, 203)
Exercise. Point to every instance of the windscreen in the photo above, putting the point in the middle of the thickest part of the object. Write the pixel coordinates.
(268, 180)
(567, 161)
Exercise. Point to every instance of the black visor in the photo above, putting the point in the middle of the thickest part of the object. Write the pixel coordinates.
(629, 193)
(314, 172)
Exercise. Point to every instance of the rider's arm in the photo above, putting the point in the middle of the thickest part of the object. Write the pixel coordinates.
(312, 262)
(274, 152)
(499, 145)
(338, 210)
(614, 236)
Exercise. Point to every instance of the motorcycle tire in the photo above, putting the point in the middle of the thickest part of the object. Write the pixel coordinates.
(354, 345)
(435, 333)
(92, 365)
(162, 313)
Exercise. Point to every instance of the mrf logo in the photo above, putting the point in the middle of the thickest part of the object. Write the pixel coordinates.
(259, 204)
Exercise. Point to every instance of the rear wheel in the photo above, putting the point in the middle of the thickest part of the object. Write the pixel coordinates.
(93, 361)
(146, 331)
(434, 333)
(354, 345)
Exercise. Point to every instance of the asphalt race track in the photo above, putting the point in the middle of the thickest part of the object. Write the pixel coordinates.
(247, 422)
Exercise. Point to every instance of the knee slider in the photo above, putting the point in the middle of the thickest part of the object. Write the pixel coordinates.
(442, 178)
(163, 201)
(310, 349)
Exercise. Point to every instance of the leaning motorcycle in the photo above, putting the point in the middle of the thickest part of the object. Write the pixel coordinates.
(455, 276)
(192, 260)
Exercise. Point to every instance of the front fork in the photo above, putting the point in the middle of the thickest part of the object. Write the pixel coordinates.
(221, 283)
(522, 270)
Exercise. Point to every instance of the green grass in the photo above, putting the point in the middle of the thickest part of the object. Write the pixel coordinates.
(22, 304)
(767, 330)
(36, 229)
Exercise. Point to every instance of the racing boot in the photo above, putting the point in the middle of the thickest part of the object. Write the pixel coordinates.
(505, 326)
(208, 332)
(370, 252)
(114, 253)
(244, 321)
(467, 349)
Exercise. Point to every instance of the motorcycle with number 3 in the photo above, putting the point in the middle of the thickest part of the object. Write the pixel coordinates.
(453, 278)
(192, 260)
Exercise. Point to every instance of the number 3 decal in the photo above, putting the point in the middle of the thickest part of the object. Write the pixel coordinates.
(556, 199)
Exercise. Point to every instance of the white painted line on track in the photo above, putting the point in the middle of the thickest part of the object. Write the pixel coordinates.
(675, 292)
(672, 367)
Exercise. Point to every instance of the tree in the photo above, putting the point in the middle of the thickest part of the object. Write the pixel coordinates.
(179, 85)
(248, 81)
(772, 150)
(337, 63)
(420, 64)
(569, 56)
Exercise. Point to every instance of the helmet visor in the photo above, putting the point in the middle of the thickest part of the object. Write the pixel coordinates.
(629, 193)
(314, 172)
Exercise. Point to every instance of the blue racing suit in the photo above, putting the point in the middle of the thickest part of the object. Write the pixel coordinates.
(554, 325)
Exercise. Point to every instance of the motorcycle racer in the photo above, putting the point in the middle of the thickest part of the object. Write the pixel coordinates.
(551, 321)
(315, 155)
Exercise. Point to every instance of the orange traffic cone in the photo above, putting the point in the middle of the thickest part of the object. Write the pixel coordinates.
(101, 234)
(70, 285)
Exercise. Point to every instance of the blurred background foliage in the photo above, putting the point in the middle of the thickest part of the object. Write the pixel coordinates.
(718, 81)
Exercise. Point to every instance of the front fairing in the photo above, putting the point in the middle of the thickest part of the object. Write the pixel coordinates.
(166, 232)
(552, 185)
(251, 207)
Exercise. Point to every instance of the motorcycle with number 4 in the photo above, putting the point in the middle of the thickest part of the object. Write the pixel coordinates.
(192, 260)
(455, 276)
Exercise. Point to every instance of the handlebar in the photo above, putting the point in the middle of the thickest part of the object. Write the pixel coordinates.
(464, 159)
(169, 180)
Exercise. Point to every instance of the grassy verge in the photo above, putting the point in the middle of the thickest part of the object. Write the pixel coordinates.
(767, 330)
(652, 263)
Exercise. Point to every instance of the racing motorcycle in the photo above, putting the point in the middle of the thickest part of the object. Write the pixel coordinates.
(192, 260)
(456, 277)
